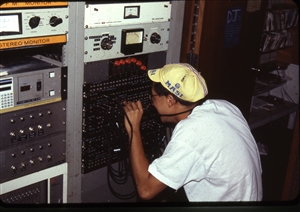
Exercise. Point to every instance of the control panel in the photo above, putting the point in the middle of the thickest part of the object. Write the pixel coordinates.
(114, 42)
(29, 81)
(104, 139)
(32, 139)
(31, 157)
(121, 29)
(105, 15)
(26, 23)
(39, 122)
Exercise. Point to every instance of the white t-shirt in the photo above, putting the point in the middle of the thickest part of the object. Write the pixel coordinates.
(213, 155)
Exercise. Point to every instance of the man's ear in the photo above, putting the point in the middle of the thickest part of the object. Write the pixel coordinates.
(171, 100)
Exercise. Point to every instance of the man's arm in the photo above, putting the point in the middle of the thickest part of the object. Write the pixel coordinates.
(147, 185)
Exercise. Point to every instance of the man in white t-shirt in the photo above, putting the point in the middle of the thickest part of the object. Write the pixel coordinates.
(211, 154)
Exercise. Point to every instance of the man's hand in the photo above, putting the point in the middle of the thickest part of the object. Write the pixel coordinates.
(147, 185)
(134, 112)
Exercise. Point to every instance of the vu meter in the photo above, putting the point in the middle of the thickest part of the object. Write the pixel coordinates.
(131, 12)
(134, 37)
(132, 41)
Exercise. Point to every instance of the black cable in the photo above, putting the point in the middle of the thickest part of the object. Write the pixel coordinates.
(133, 193)
(108, 175)
(119, 177)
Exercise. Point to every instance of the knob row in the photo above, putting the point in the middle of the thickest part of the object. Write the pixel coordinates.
(23, 152)
(30, 116)
(31, 162)
(35, 21)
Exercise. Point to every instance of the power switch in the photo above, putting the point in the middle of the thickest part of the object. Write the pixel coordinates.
(39, 86)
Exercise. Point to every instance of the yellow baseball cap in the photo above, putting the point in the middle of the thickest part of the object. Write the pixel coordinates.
(181, 79)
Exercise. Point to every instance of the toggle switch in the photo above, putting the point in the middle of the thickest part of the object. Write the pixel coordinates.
(23, 167)
(39, 86)
(14, 169)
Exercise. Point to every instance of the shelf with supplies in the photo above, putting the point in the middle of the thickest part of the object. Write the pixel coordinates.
(280, 21)
(278, 71)
(265, 80)
(276, 40)
(269, 112)
(266, 107)
(281, 16)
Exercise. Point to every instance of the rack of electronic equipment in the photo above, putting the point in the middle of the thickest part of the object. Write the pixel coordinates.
(65, 69)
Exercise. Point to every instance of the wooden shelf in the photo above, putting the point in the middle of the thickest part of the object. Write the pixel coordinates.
(262, 88)
(281, 6)
(260, 117)
(273, 65)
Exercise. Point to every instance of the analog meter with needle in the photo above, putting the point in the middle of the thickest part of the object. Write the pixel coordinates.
(131, 12)
(132, 41)
(134, 37)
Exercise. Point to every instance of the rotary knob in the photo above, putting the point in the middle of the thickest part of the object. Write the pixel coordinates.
(34, 22)
(54, 21)
(106, 44)
(155, 38)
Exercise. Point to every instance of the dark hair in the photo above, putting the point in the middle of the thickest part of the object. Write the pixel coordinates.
(162, 91)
